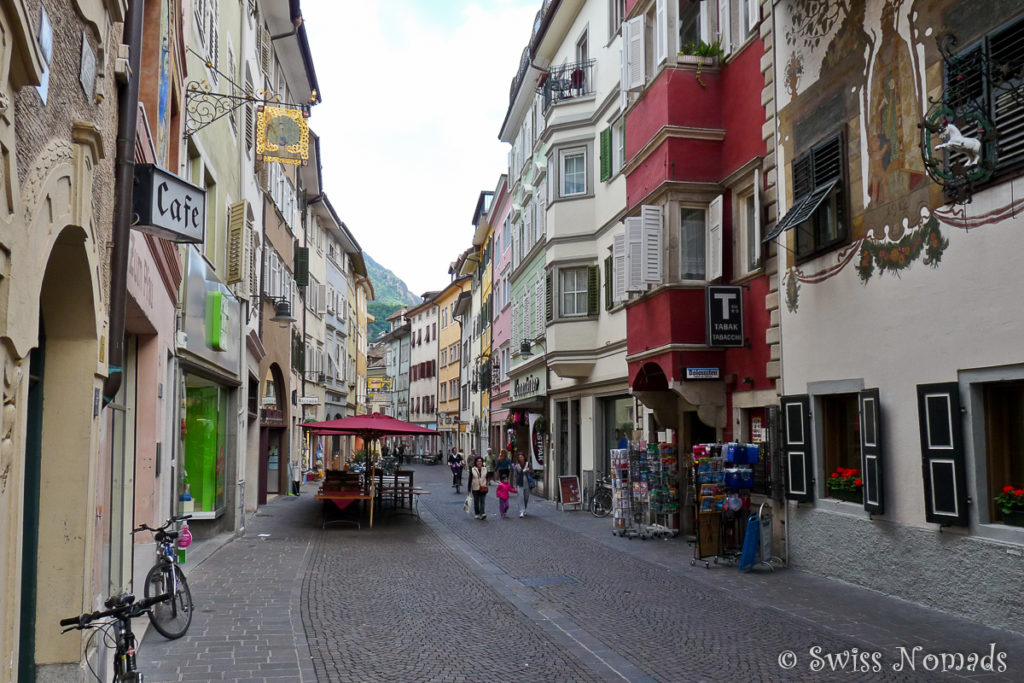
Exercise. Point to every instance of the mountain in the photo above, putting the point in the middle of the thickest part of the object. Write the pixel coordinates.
(390, 294)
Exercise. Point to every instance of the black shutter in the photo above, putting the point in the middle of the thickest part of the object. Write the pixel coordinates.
(871, 462)
(593, 290)
(606, 154)
(548, 298)
(942, 452)
(302, 266)
(796, 447)
(608, 298)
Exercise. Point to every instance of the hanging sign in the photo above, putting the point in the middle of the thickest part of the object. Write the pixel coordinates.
(725, 315)
(167, 206)
(536, 443)
(282, 135)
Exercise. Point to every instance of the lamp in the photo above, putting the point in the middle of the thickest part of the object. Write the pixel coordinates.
(524, 348)
(283, 312)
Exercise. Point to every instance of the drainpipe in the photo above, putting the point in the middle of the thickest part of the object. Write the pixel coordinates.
(124, 176)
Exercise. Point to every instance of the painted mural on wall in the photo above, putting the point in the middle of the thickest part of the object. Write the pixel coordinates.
(877, 65)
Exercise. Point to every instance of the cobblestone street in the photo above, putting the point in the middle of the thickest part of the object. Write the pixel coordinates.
(551, 597)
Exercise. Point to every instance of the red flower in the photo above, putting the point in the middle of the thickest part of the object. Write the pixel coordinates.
(1007, 489)
(1019, 493)
(835, 475)
(858, 482)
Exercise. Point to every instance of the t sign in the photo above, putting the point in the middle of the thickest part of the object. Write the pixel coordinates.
(725, 315)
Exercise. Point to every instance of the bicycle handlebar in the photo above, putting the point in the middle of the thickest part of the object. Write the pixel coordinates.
(127, 609)
(172, 520)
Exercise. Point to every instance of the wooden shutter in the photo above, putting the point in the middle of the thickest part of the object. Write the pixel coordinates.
(796, 447)
(236, 242)
(302, 266)
(634, 254)
(635, 58)
(254, 274)
(871, 463)
(619, 267)
(266, 50)
(539, 307)
(606, 154)
(549, 309)
(593, 290)
(321, 299)
(942, 452)
(609, 301)
(660, 32)
(542, 211)
(652, 230)
(623, 77)
(714, 249)
(724, 28)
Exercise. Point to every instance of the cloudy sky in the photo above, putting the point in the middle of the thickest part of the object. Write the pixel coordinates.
(414, 93)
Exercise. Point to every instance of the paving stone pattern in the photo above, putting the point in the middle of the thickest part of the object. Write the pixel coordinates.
(551, 597)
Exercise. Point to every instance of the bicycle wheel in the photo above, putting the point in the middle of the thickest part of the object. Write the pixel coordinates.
(170, 618)
(601, 504)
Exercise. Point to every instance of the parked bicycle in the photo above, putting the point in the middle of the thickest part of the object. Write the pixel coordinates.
(123, 608)
(172, 618)
(601, 498)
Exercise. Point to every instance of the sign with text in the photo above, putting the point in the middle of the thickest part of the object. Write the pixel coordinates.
(569, 488)
(168, 206)
(725, 315)
(702, 373)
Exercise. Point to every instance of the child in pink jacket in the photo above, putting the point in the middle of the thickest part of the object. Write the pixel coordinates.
(504, 489)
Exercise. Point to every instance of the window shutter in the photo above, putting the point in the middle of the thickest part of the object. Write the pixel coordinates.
(753, 14)
(593, 290)
(635, 60)
(549, 309)
(714, 266)
(254, 274)
(871, 451)
(606, 154)
(542, 211)
(756, 227)
(236, 242)
(526, 320)
(265, 50)
(945, 484)
(539, 306)
(623, 78)
(250, 115)
(608, 300)
(302, 266)
(797, 450)
(619, 267)
(275, 276)
(516, 337)
(634, 254)
(661, 32)
(724, 32)
(652, 235)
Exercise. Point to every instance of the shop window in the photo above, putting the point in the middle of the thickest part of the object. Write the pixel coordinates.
(1004, 432)
(840, 436)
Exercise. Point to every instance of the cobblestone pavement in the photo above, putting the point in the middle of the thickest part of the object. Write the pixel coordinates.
(550, 597)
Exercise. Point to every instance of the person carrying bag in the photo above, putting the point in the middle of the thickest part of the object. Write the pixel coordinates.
(478, 487)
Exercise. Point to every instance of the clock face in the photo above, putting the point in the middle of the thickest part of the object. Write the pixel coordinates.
(283, 131)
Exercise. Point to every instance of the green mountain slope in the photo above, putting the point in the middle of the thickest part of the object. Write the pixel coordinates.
(389, 294)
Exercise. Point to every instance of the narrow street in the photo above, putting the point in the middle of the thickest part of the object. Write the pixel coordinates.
(551, 597)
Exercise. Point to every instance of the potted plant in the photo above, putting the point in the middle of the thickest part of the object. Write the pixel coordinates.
(702, 54)
(1011, 504)
(845, 484)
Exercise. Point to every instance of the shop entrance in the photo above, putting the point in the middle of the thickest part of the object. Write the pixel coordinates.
(274, 461)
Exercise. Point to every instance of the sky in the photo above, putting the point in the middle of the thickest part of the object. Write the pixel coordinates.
(414, 94)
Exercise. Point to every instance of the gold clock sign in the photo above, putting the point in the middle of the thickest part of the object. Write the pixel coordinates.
(282, 135)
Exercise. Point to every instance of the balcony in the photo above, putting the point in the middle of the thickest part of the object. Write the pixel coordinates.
(567, 82)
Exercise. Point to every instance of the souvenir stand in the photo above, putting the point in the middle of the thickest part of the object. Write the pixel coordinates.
(664, 485)
(721, 478)
(644, 490)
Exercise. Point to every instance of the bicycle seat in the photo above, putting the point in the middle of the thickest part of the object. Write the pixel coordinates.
(165, 535)
(122, 600)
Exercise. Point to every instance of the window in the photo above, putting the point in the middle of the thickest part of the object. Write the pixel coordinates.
(692, 229)
(693, 25)
(582, 49)
(1004, 429)
(840, 434)
(574, 291)
(444, 393)
(818, 204)
(616, 13)
(504, 364)
(574, 172)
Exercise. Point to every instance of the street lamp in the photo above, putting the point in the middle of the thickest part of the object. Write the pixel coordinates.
(283, 312)
(525, 348)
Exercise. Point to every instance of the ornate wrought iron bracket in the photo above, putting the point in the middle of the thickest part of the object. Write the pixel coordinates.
(204, 106)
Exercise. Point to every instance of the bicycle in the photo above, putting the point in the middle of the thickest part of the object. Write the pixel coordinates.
(123, 608)
(601, 499)
(173, 619)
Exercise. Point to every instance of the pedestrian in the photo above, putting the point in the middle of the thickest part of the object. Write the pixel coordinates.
(489, 464)
(504, 489)
(296, 472)
(504, 464)
(478, 485)
(522, 479)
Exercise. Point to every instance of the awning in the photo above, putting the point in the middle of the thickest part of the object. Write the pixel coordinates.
(533, 404)
(802, 210)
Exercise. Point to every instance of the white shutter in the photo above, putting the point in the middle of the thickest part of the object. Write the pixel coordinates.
(515, 246)
(661, 31)
(516, 336)
(753, 14)
(542, 212)
(652, 253)
(619, 267)
(527, 321)
(635, 60)
(756, 227)
(623, 79)
(321, 299)
(634, 254)
(724, 32)
(714, 270)
(528, 228)
(538, 311)
(551, 176)
(275, 275)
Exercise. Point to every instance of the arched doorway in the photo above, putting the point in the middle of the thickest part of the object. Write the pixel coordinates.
(61, 467)
(273, 440)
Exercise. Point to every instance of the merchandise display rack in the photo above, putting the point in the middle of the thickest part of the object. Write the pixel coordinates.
(644, 491)
(721, 492)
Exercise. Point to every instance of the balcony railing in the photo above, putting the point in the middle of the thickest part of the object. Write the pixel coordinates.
(567, 82)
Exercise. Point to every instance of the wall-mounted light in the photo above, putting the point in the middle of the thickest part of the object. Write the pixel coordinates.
(524, 348)
(282, 312)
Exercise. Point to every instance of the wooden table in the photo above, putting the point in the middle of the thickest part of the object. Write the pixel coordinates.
(340, 499)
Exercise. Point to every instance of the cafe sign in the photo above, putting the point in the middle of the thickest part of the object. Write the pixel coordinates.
(167, 206)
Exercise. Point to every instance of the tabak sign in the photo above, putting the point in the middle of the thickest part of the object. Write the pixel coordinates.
(725, 315)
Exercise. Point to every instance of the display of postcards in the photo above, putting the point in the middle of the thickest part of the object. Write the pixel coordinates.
(719, 503)
(707, 490)
(707, 504)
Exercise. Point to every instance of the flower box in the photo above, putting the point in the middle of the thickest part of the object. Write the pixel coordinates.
(848, 496)
(1014, 518)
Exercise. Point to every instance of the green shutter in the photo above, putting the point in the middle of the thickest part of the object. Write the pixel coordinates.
(549, 312)
(593, 290)
(608, 303)
(302, 266)
(606, 154)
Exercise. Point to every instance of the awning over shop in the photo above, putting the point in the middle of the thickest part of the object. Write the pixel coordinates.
(533, 404)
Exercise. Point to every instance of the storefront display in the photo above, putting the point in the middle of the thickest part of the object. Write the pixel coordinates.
(645, 491)
(721, 476)
(205, 428)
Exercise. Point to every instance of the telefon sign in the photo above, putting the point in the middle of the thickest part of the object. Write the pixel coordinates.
(167, 206)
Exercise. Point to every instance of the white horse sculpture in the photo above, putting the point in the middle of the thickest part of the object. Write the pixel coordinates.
(958, 142)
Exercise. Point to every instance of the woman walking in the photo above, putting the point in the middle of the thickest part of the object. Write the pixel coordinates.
(504, 465)
(478, 485)
(522, 478)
